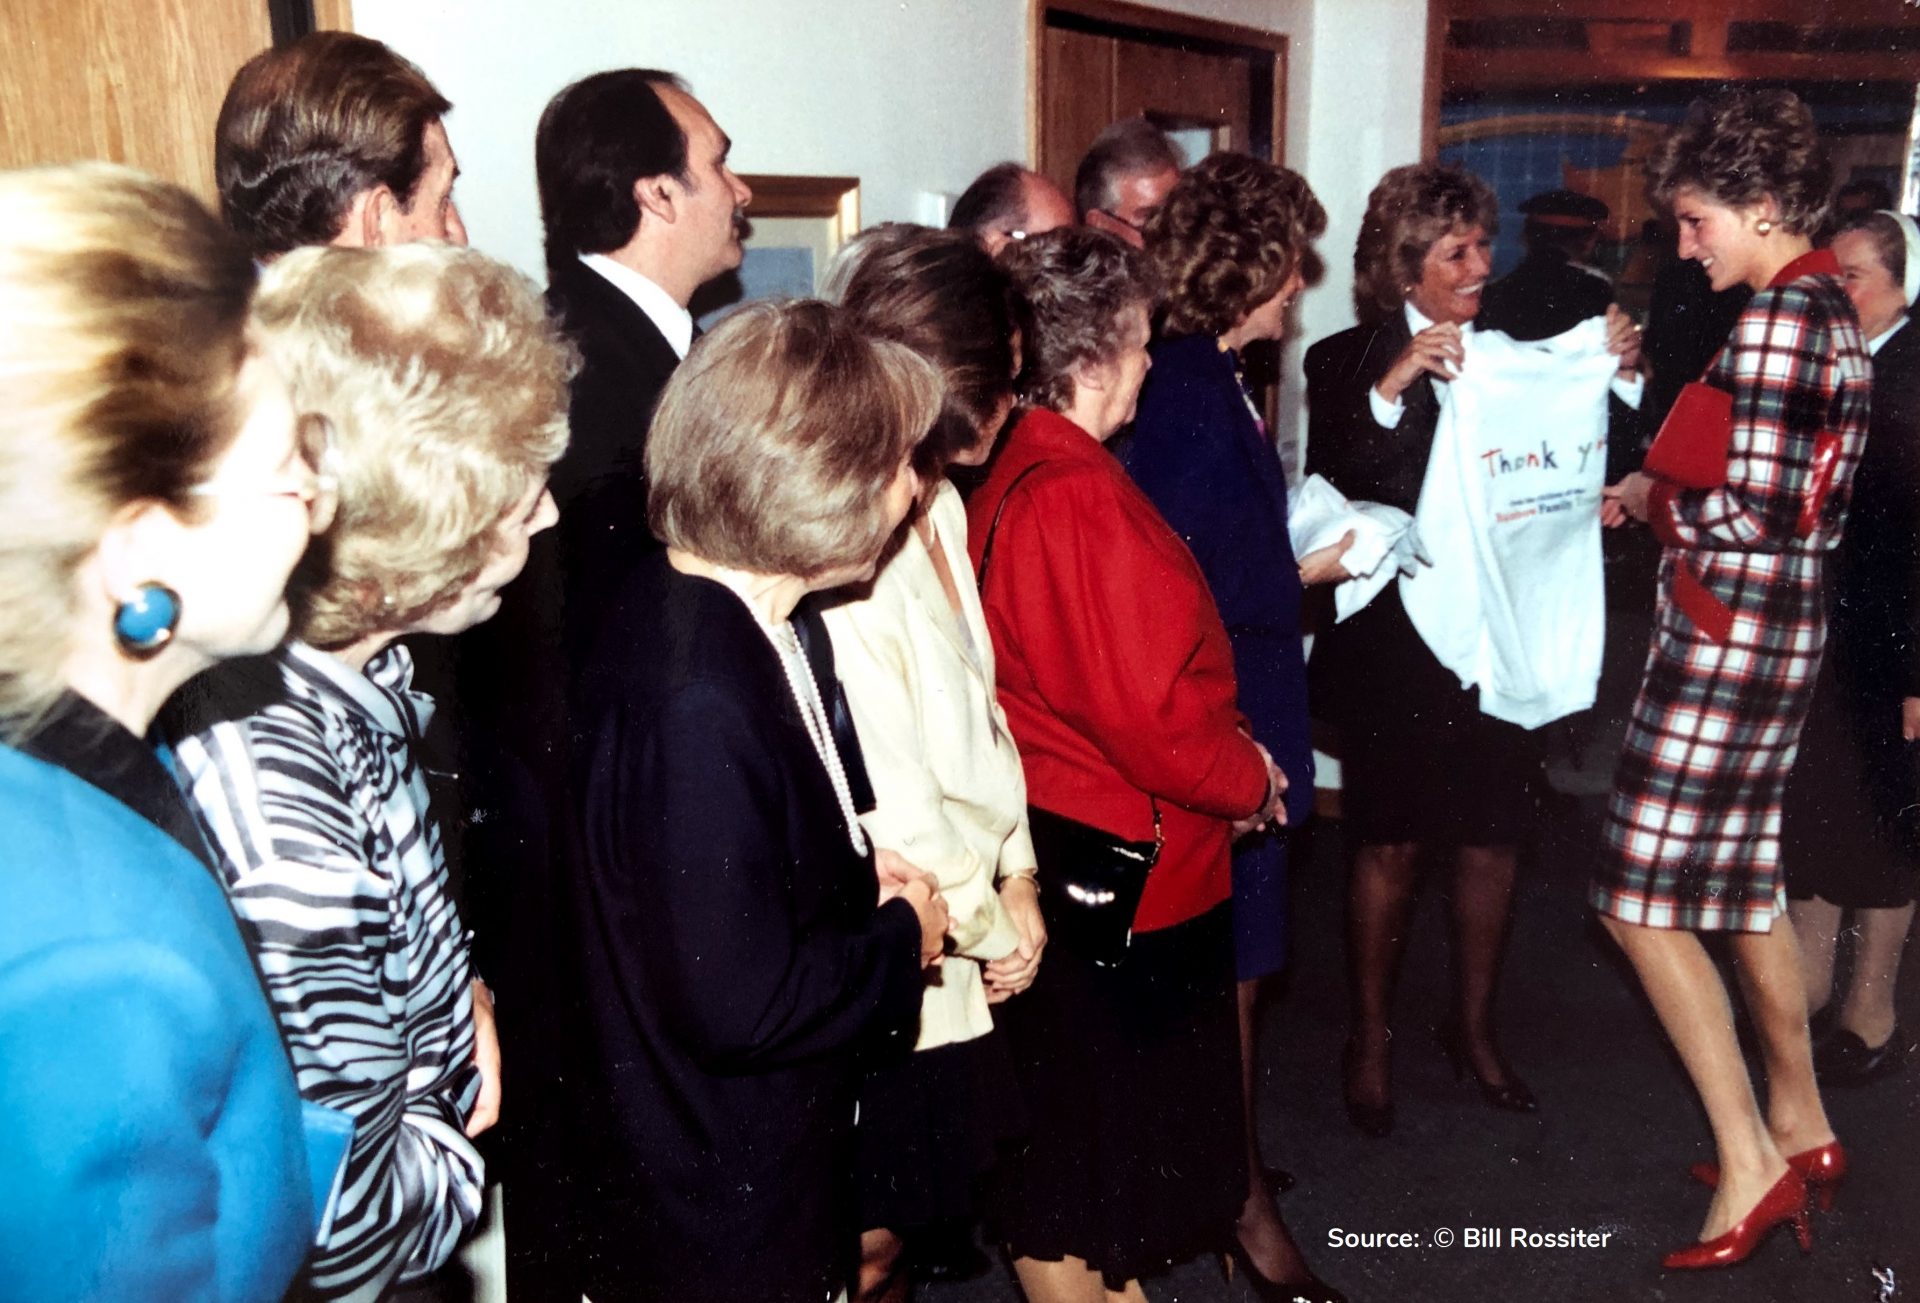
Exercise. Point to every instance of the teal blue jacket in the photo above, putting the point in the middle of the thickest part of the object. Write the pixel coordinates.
(151, 1139)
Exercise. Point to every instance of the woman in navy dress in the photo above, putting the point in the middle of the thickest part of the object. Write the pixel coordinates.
(1230, 244)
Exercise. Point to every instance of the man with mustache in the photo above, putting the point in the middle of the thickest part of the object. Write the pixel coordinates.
(640, 210)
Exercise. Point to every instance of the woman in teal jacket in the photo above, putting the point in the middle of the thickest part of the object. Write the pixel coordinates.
(154, 498)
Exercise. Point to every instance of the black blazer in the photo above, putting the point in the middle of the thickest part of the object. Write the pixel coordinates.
(1344, 443)
(1544, 296)
(601, 484)
(1875, 613)
(733, 963)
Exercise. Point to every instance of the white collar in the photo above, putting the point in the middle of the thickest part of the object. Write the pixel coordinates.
(672, 320)
(1873, 345)
(1418, 321)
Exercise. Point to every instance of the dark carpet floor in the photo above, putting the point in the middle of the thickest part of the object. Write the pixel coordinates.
(1608, 1151)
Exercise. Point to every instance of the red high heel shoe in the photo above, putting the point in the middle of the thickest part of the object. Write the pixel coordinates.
(1821, 1168)
(1785, 1202)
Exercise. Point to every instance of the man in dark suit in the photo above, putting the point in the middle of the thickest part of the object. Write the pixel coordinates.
(1553, 289)
(640, 209)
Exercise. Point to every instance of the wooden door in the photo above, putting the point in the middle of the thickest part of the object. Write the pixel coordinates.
(132, 81)
(1102, 60)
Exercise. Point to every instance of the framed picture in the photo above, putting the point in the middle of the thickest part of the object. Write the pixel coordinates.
(798, 223)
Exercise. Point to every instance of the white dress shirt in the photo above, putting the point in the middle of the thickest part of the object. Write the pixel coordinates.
(670, 318)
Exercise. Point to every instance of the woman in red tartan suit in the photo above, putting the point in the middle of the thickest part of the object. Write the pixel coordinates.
(1117, 680)
(1693, 828)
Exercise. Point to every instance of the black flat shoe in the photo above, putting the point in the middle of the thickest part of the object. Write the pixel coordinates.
(1510, 1095)
(1844, 1059)
(1310, 1290)
(1277, 1180)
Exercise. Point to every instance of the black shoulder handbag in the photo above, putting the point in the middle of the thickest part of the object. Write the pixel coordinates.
(1090, 880)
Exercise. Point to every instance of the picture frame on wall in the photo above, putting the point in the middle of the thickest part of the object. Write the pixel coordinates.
(798, 223)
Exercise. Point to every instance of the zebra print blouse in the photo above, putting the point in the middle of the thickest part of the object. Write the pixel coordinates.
(304, 777)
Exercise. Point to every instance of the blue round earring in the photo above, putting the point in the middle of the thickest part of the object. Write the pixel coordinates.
(145, 625)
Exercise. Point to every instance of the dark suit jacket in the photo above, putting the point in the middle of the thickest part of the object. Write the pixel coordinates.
(1344, 443)
(601, 485)
(1874, 619)
(733, 962)
(505, 731)
(1544, 296)
(1199, 454)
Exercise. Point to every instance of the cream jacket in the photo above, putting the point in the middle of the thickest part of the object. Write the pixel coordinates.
(949, 793)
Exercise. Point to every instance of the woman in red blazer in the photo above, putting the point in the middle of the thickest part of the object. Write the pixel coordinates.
(1117, 680)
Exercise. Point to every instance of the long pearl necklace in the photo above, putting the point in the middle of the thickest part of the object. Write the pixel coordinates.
(813, 712)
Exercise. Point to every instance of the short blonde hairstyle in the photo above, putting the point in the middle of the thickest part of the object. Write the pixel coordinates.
(121, 343)
(775, 441)
(446, 386)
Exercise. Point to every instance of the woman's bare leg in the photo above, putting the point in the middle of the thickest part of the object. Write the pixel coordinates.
(1692, 1004)
(1069, 1280)
(1768, 964)
(1818, 924)
(881, 1280)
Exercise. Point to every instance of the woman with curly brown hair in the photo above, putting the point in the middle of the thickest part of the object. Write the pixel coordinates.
(1231, 247)
(1692, 837)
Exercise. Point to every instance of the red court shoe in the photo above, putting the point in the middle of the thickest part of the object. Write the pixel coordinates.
(1785, 1202)
(1821, 1168)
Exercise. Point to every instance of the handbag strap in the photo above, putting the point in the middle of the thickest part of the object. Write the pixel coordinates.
(986, 547)
(986, 556)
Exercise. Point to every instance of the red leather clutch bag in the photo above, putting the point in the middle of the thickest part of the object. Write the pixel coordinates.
(1691, 448)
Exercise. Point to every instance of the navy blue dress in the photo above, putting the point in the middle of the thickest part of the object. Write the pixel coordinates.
(1199, 453)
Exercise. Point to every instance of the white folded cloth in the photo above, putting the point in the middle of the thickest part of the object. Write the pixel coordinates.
(1319, 515)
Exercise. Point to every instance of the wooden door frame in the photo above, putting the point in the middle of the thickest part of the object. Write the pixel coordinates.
(293, 19)
(1160, 22)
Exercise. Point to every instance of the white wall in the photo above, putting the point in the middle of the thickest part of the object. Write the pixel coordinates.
(1355, 95)
(910, 96)
(907, 95)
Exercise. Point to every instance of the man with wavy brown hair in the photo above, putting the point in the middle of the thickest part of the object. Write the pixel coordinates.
(334, 139)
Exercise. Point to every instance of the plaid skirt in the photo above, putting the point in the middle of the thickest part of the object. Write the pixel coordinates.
(1692, 835)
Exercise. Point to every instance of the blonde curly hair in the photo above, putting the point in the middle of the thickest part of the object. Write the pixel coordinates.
(446, 386)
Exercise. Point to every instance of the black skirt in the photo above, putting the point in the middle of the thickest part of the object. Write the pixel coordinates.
(1419, 762)
(1132, 1080)
(932, 1124)
(1850, 823)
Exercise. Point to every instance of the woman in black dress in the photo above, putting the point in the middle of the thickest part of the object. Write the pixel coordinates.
(1850, 836)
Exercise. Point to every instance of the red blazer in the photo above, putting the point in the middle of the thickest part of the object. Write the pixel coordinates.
(1113, 666)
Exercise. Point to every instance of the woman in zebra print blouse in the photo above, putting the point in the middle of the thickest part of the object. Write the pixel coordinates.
(446, 390)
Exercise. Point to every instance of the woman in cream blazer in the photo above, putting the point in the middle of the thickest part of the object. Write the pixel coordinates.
(917, 664)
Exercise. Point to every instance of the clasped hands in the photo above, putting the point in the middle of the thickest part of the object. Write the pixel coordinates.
(920, 889)
(1019, 895)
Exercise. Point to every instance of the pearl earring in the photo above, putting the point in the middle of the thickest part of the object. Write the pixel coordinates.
(1763, 226)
